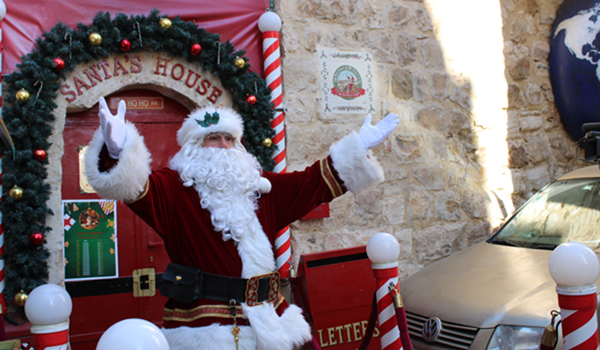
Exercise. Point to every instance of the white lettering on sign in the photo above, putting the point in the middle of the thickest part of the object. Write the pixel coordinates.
(137, 102)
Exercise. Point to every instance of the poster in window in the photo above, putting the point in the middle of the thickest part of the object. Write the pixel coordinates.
(90, 239)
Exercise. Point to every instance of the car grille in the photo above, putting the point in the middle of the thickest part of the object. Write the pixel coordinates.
(452, 336)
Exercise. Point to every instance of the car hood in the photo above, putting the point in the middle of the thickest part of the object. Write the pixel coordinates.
(483, 286)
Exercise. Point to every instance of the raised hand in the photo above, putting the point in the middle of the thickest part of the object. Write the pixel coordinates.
(113, 127)
(370, 136)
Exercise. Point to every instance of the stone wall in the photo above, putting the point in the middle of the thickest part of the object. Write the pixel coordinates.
(479, 131)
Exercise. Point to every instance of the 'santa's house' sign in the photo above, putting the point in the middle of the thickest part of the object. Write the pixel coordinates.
(144, 69)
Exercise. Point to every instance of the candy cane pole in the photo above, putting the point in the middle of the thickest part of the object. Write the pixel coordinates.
(48, 308)
(269, 24)
(2, 300)
(383, 250)
(574, 267)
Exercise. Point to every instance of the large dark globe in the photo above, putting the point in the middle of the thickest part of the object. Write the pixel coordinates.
(574, 68)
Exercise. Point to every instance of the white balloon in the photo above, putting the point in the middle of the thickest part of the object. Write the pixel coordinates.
(133, 334)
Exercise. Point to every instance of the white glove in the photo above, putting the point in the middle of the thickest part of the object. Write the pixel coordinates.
(370, 136)
(113, 127)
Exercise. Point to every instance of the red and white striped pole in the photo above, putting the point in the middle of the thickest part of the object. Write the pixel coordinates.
(48, 308)
(269, 24)
(575, 267)
(383, 250)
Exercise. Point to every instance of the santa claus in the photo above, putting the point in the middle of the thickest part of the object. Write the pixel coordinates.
(218, 213)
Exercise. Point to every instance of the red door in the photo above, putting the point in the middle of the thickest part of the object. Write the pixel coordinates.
(99, 303)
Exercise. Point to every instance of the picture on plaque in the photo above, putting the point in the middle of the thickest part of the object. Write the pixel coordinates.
(347, 81)
(90, 239)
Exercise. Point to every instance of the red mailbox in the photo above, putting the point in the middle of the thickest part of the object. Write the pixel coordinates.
(337, 289)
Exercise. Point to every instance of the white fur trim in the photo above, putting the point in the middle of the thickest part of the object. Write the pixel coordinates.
(229, 121)
(127, 179)
(256, 251)
(264, 185)
(268, 332)
(277, 333)
(213, 337)
(273, 332)
(356, 166)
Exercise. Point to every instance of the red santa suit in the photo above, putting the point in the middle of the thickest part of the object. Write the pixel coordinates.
(174, 210)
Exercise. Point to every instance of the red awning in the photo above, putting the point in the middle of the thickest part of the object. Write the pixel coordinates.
(234, 20)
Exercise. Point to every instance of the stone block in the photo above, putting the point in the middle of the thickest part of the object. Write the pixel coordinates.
(406, 48)
(520, 69)
(447, 206)
(418, 203)
(312, 38)
(402, 83)
(423, 20)
(474, 203)
(432, 177)
(439, 89)
(432, 117)
(398, 16)
(534, 94)
(531, 123)
(432, 53)
(420, 87)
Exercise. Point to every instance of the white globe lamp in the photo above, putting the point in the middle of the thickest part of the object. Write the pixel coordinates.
(383, 249)
(269, 22)
(48, 304)
(2, 10)
(133, 334)
(574, 264)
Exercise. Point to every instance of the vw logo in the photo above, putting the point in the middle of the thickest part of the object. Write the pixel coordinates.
(432, 328)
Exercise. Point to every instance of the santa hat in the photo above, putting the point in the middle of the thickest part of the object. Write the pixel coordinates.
(207, 120)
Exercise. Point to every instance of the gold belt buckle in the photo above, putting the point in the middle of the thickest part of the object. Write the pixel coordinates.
(252, 288)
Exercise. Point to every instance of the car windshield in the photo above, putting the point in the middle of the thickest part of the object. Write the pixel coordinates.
(563, 211)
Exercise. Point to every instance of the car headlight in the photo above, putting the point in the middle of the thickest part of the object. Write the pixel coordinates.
(516, 338)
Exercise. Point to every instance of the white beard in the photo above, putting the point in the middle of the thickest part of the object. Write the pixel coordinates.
(227, 181)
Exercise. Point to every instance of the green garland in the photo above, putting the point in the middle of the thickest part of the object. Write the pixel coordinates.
(30, 123)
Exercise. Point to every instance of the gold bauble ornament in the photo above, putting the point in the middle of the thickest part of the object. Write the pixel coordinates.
(22, 95)
(267, 142)
(239, 62)
(16, 193)
(20, 298)
(164, 23)
(95, 39)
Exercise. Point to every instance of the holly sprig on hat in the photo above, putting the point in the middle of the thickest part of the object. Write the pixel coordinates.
(209, 120)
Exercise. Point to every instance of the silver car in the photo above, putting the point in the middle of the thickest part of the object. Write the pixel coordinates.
(499, 294)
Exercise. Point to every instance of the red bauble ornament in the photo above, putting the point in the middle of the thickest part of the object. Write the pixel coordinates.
(60, 64)
(251, 100)
(125, 45)
(36, 238)
(195, 49)
(40, 155)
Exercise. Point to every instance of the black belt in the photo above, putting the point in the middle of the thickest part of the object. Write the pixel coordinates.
(188, 284)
